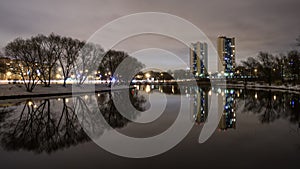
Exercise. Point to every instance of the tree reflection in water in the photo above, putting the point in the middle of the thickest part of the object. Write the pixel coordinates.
(268, 105)
(39, 128)
(271, 106)
(52, 124)
(110, 112)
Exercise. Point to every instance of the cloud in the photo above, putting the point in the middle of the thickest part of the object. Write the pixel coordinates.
(270, 25)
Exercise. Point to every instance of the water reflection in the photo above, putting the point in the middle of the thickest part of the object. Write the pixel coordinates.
(271, 106)
(52, 124)
(228, 119)
(268, 105)
(49, 125)
(39, 127)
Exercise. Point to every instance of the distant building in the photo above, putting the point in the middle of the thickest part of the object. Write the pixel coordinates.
(198, 59)
(226, 52)
(8, 69)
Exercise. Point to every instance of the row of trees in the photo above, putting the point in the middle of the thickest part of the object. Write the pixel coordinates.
(272, 68)
(269, 68)
(39, 57)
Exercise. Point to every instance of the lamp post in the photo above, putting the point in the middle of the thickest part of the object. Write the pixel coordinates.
(255, 72)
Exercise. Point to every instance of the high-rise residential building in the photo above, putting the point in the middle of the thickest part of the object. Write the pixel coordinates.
(198, 59)
(226, 52)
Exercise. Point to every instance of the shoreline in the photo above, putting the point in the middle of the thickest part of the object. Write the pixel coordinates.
(17, 91)
(265, 87)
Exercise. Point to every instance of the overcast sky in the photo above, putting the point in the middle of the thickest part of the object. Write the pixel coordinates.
(258, 25)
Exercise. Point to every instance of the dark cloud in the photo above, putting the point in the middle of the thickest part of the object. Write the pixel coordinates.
(270, 25)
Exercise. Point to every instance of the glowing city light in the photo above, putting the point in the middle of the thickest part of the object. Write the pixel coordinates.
(147, 75)
(8, 74)
(148, 89)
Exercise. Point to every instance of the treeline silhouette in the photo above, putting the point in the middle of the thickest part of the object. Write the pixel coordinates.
(272, 69)
(37, 59)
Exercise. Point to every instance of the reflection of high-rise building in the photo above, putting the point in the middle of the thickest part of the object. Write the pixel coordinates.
(226, 52)
(198, 59)
(228, 119)
(199, 106)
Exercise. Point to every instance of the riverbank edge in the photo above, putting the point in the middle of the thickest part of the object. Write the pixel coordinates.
(108, 89)
(67, 93)
(263, 87)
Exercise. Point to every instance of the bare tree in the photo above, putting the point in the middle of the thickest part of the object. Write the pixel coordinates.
(25, 54)
(3, 66)
(88, 61)
(267, 62)
(48, 52)
(112, 61)
(71, 48)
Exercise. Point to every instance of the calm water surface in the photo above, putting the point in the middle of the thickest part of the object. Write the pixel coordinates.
(257, 129)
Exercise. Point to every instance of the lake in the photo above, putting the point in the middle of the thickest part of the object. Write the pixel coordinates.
(256, 128)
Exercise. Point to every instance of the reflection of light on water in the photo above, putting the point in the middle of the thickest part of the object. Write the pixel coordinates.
(255, 95)
(148, 89)
(161, 89)
(292, 103)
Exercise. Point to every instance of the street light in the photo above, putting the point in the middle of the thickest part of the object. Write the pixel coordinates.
(8, 74)
(58, 76)
(147, 75)
(255, 71)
